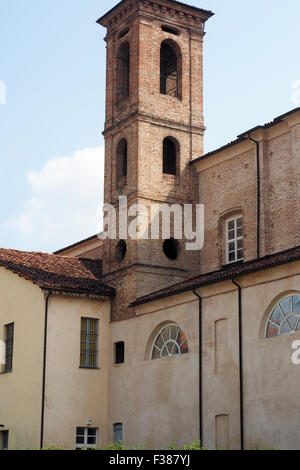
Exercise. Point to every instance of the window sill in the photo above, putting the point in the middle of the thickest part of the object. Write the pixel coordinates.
(119, 365)
(234, 263)
(5, 372)
(123, 102)
(169, 97)
(89, 368)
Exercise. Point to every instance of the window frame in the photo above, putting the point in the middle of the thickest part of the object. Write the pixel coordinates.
(9, 347)
(234, 240)
(285, 317)
(122, 88)
(118, 343)
(170, 340)
(87, 343)
(170, 151)
(164, 75)
(122, 160)
(4, 440)
(85, 445)
(120, 430)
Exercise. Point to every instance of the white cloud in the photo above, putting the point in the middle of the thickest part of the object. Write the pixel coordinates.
(65, 201)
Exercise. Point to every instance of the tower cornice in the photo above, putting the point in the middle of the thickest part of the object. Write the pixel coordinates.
(169, 10)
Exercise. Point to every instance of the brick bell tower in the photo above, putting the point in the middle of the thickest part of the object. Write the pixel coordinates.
(154, 127)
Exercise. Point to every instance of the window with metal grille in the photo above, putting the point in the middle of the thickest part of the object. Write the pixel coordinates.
(86, 438)
(120, 352)
(118, 432)
(123, 72)
(169, 157)
(234, 239)
(169, 77)
(122, 159)
(89, 343)
(9, 346)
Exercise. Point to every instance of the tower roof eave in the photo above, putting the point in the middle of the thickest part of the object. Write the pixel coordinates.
(205, 14)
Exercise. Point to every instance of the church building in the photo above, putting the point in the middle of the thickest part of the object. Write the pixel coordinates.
(143, 340)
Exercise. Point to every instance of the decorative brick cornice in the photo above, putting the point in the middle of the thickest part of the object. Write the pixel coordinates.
(154, 120)
(168, 10)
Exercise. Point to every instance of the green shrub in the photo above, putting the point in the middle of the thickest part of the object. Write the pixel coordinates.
(196, 445)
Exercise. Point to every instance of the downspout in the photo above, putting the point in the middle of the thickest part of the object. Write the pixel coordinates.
(200, 370)
(191, 94)
(240, 309)
(44, 369)
(258, 192)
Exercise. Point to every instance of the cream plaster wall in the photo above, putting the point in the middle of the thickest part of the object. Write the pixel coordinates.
(271, 381)
(22, 303)
(74, 395)
(156, 400)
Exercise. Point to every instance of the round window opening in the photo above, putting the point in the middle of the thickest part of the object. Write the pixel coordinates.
(121, 250)
(171, 248)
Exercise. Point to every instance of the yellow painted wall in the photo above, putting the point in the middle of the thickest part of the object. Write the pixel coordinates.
(22, 303)
(156, 400)
(74, 395)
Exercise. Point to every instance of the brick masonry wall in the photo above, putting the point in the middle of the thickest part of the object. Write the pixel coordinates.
(229, 187)
(145, 119)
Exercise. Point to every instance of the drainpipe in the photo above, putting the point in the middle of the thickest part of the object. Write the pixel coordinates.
(44, 369)
(200, 370)
(191, 93)
(240, 308)
(258, 192)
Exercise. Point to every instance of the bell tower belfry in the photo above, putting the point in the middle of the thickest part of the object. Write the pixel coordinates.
(154, 127)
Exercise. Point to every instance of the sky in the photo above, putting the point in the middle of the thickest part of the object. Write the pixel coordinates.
(52, 67)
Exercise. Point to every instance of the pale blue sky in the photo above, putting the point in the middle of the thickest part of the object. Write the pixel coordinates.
(52, 59)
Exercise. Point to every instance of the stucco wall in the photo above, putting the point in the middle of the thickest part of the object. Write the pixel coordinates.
(74, 395)
(156, 400)
(271, 381)
(23, 304)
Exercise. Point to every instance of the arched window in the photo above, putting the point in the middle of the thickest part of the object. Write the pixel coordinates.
(169, 157)
(122, 159)
(285, 317)
(170, 69)
(170, 341)
(123, 71)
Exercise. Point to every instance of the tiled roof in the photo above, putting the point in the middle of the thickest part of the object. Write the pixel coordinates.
(74, 245)
(227, 273)
(58, 273)
(242, 137)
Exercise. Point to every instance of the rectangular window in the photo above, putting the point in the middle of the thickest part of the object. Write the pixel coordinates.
(234, 239)
(86, 438)
(89, 343)
(118, 432)
(120, 352)
(9, 346)
(3, 440)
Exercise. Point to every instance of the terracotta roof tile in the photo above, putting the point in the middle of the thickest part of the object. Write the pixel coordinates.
(52, 272)
(227, 273)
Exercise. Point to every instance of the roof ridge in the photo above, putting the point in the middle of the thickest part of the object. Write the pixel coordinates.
(226, 273)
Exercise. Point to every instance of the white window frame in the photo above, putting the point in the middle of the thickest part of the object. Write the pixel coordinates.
(234, 240)
(285, 318)
(171, 343)
(85, 445)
